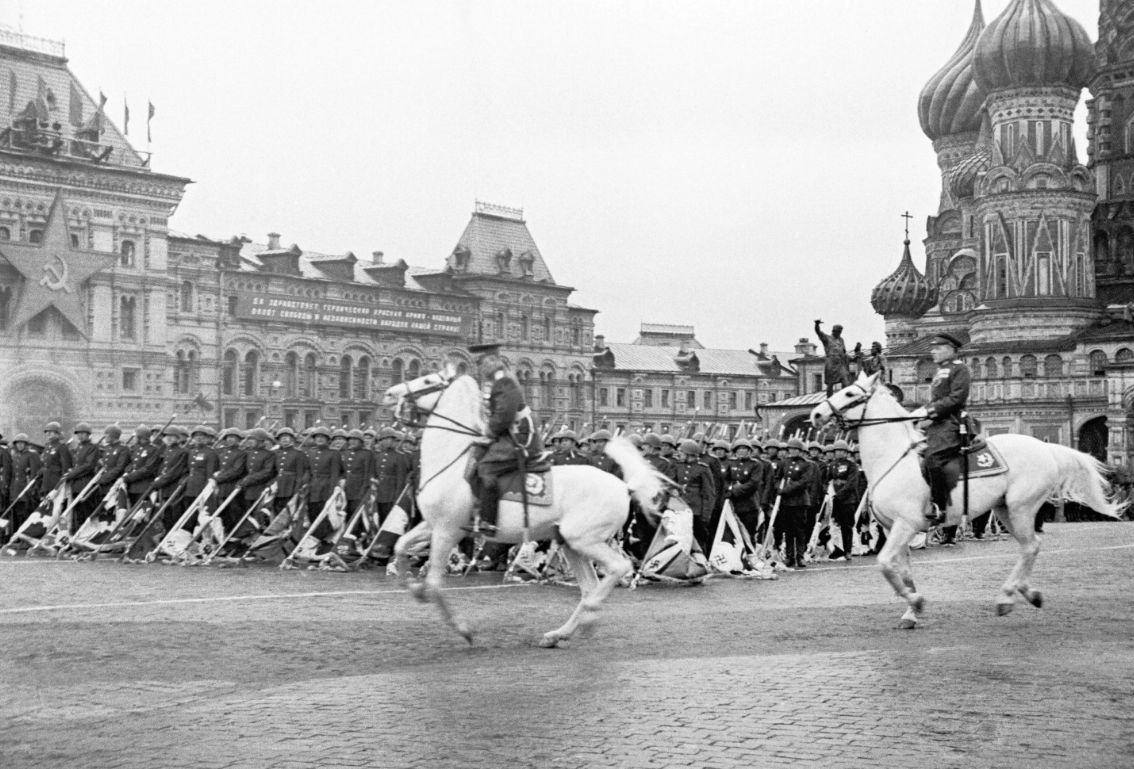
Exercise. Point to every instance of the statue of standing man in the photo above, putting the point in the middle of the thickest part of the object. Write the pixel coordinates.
(837, 369)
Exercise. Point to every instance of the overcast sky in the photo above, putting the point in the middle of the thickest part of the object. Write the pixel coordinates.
(738, 166)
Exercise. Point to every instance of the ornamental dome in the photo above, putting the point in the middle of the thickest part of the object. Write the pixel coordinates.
(950, 103)
(905, 292)
(1033, 43)
(962, 179)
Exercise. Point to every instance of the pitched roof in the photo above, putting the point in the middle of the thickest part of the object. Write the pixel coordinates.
(26, 68)
(489, 233)
(637, 357)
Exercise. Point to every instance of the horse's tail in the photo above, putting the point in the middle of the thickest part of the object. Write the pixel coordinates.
(645, 482)
(1081, 480)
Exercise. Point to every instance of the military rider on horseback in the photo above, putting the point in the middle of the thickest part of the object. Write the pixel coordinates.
(511, 439)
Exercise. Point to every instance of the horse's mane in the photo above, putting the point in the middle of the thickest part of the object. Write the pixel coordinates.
(466, 386)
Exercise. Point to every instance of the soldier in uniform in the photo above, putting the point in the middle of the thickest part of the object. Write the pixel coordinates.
(390, 471)
(796, 474)
(696, 486)
(56, 457)
(358, 470)
(653, 456)
(261, 471)
(943, 417)
(509, 431)
(598, 457)
(5, 476)
(145, 459)
(368, 437)
(567, 454)
(203, 464)
(174, 467)
(232, 465)
(844, 479)
(326, 472)
(718, 462)
(818, 487)
(668, 447)
(113, 461)
(743, 484)
(338, 439)
(26, 465)
(84, 463)
(294, 469)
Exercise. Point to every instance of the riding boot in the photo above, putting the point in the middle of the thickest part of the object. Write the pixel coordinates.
(939, 494)
(489, 508)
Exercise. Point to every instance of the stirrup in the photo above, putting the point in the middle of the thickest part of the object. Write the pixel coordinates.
(936, 516)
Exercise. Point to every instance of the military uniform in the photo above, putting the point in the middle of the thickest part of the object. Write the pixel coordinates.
(390, 469)
(174, 468)
(26, 465)
(599, 458)
(56, 462)
(698, 490)
(797, 476)
(947, 398)
(145, 461)
(844, 479)
(5, 476)
(358, 471)
(84, 464)
(294, 471)
(743, 488)
(232, 466)
(262, 470)
(113, 460)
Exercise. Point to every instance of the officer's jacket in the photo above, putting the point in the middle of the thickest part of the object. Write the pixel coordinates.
(115, 457)
(84, 462)
(844, 478)
(817, 481)
(606, 464)
(25, 465)
(773, 475)
(261, 464)
(56, 461)
(719, 469)
(569, 457)
(174, 467)
(326, 469)
(390, 470)
(505, 400)
(232, 464)
(294, 471)
(145, 461)
(5, 471)
(743, 484)
(203, 462)
(798, 478)
(696, 485)
(358, 469)
(949, 392)
(660, 463)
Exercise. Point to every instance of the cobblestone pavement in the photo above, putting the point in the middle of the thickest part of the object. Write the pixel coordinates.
(152, 666)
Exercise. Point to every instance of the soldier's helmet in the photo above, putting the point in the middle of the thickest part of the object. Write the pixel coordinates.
(356, 435)
(689, 448)
(814, 446)
(53, 427)
(142, 431)
(741, 443)
(173, 430)
(20, 438)
(600, 435)
(668, 440)
(369, 431)
(569, 435)
(699, 437)
(721, 444)
(399, 435)
(259, 434)
(82, 427)
(320, 430)
(828, 448)
(199, 430)
(652, 439)
(795, 443)
(111, 431)
(339, 433)
(387, 432)
(285, 431)
(636, 439)
(840, 445)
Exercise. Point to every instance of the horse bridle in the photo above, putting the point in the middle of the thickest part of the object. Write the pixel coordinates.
(839, 414)
(417, 411)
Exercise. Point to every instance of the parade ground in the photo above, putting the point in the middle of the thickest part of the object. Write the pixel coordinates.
(107, 665)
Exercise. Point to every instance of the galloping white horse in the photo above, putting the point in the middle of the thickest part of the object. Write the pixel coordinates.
(589, 508)
(1037, 472)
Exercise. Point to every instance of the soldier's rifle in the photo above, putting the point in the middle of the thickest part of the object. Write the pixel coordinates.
(155, 518)
(265, 497)
(823, 518)
(186, 516)
(337, 497)
(769, 536)
(205, 522)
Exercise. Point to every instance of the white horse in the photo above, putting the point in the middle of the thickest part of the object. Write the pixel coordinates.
(889, 443)
(589, 508)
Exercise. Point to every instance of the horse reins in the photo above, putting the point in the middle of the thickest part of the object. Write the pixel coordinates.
(460, 429)
(843, 422)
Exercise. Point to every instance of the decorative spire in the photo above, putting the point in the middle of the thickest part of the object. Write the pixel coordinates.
(905, 291)
(1033, 43)
(950, 103)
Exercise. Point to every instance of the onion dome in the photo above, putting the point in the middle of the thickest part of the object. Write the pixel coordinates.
(962, 179)
(950, 102)
(905, 292)
(1033, 43)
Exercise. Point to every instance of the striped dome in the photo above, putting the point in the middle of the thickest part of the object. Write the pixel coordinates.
(950, 103)
(1033, 43)
(905, 292)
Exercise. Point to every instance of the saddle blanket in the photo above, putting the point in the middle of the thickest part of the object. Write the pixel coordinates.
(539, 488)
(986, 461)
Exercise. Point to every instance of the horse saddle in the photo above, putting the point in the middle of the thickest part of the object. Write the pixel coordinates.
(984, 460)
(533, 486)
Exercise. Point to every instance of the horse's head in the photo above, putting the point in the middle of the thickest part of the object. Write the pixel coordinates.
(420, 394)
(848, 403)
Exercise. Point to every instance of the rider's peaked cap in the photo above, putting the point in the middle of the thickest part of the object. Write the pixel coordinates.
(942, 338)
(484, 349)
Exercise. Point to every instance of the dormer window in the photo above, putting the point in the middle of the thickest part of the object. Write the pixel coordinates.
(527, 264)
(461, 259)
(504, 260)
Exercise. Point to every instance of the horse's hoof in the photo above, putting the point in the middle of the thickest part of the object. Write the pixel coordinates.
(1035, 598)
(1003, 608)
(417, 590)
(465, 632)
(907, 624)
(548, 642)
(917, 603)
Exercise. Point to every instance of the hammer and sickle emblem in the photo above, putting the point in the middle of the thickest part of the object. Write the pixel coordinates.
(55, 279)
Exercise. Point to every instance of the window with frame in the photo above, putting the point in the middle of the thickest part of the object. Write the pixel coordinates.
(126, 251)
(709, 399)
(130, 377)
(733, 397)
(35, 236)
(230, 416)
(1028, 365)
(691, 399)
(620, 396)
(1098, 361)
(990, 368)
(187, 296)
(748, 401)
(5, 233)
(228, 373)
(310, 376)
(362, 379)
(251, 373)
(1053, 366)
(232, 306)
(648, 398)
(291, 376)
(604, 396)
(665, 399)
(127, 318)
(345, 371)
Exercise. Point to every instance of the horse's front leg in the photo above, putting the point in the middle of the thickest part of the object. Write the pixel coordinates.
(411, 539)
(443, 542)
(893, 565)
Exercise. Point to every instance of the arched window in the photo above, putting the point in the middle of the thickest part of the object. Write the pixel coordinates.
(399, 371)
(1053, 366)
(180, 374)
(1098, 363)
(990, 368)
(187, 296)
(5, 233)
(501, 327)
(228, 376)
(1028, 365)
(74, 240)
(127, 320)
(251, 373)
(345, 369)
(547, 328)
(524, 329)
(975, 367)
(1006, 364)
(462, 368)
(127, 253)
(1124, 355)
(547, 397)
(310, 376)
(291, 375)
(35, 236)
(414, 370)
(362, 379)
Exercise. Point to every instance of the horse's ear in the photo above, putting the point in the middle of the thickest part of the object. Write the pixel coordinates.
(871, 380)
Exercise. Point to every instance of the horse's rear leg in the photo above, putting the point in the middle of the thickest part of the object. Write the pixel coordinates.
(1020, 523)
(614, 567)
(894, 563)
(443, 542)
(584, 572)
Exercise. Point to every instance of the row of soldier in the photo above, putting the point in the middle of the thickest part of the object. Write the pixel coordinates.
(756, 477)
(176, 465)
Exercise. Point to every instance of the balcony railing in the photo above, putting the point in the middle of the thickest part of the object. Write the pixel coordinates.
(14, 39)
(992, 391)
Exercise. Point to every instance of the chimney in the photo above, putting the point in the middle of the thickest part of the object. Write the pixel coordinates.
(377, 256)
(273, 241)
(600, 342)
(764, 349)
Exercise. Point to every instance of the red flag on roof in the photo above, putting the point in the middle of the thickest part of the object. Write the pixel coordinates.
(125, 116)
(149, 117)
